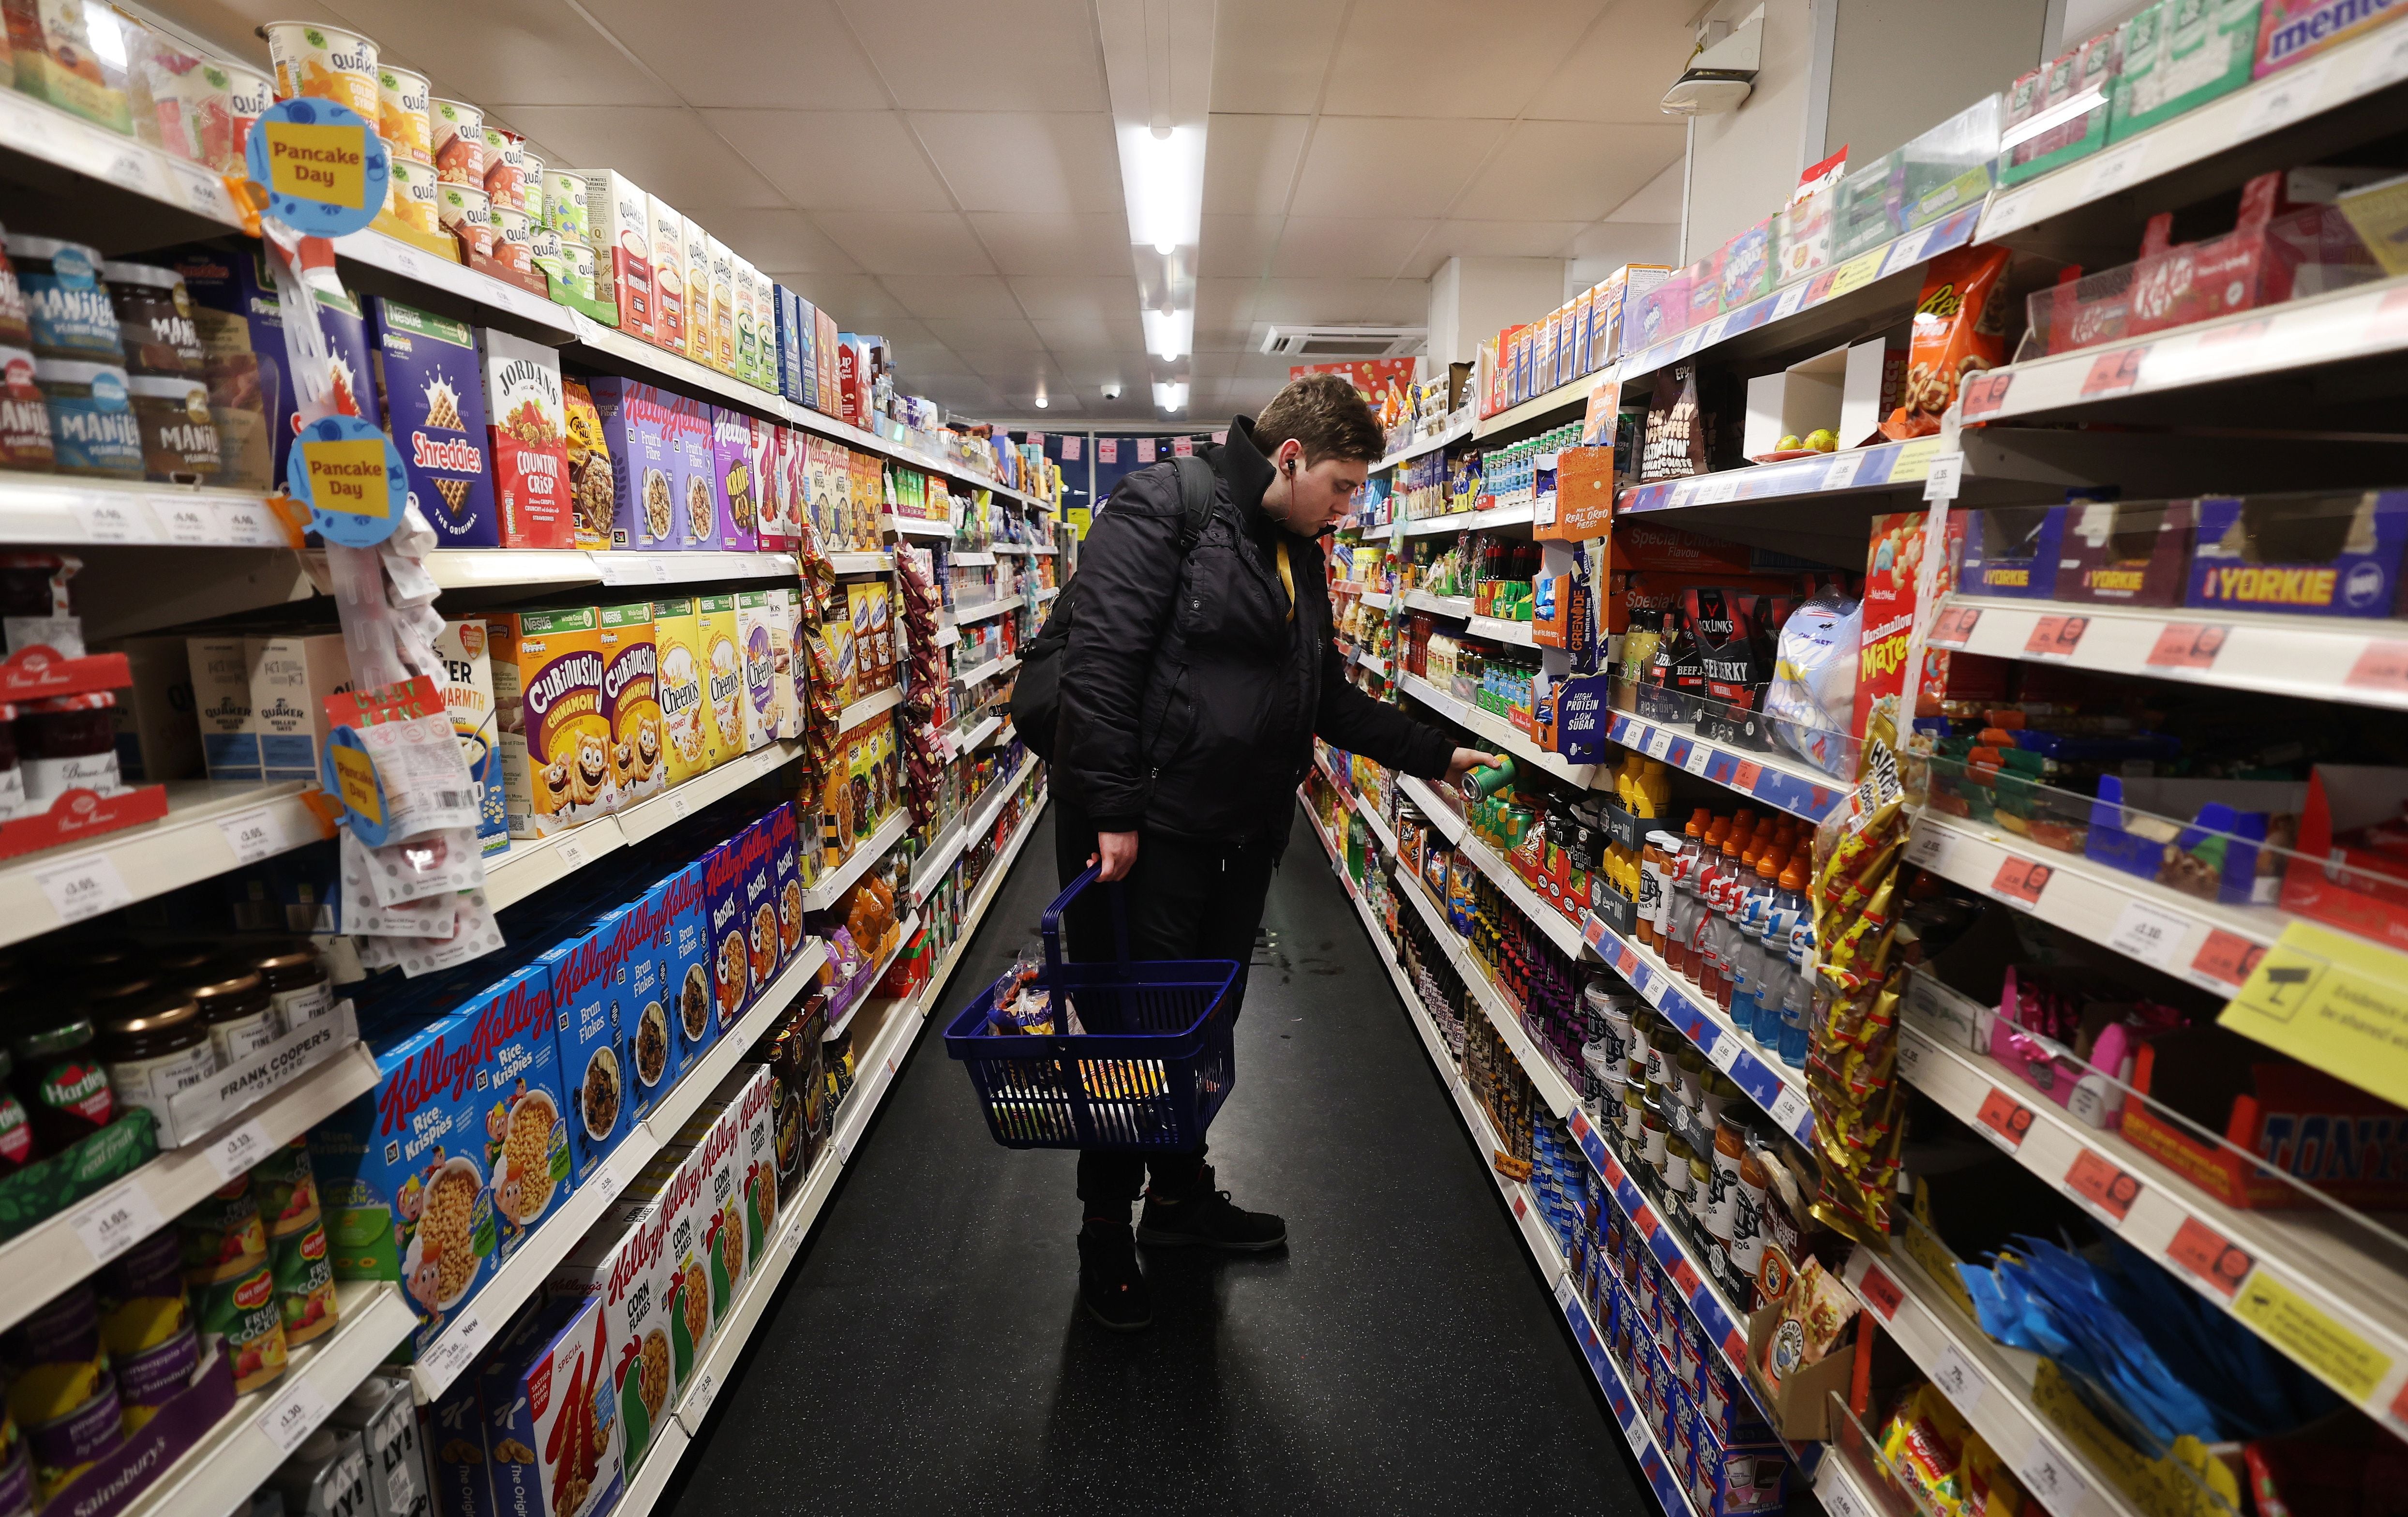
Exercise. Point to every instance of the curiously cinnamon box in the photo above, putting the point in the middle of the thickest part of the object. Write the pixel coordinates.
(555, 740)
(631, 700)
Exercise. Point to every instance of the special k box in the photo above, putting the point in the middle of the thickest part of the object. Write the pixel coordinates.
(622, 215)
(551, 1428)
(631, 700)
(723, 673)
(667, 240)
(685, 741)
(529, 406)
(555, 740)
(434, 397)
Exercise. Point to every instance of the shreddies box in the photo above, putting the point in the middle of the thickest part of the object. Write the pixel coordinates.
(622, 217)
(631, 700)
(556, 738)
(435, 1174)
(626, 1270)
(433, 396)
(529, 405)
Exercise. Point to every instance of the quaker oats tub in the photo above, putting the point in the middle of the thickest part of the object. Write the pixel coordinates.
(412, 195)
(513, 239)
(403, 120)
(505, 169)
(466, 213)
(249, 93)
(323, 63)
(564, 205)
(458, 142)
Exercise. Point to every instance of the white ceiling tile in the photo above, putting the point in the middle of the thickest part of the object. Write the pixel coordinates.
(1381, 302)
(854, 300)
(1023, 244)
(955, 296)
(1330, 247)
(995, 55)
(908, 241)
(1569, 171)
(1366, 166)
(1453, 59)
(985, 335)
(1120, 333)
(794, 52)
(782, 240)
(1236, 246)
(1621, 69)
(666, 149)
(1050, 296)
(1249, 162)
(1271, 55)
(836, 160)
(1222, 308)
(1031, 160)
(518, 53)
(1493, 239)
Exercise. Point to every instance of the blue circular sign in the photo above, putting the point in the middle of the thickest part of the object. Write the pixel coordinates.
(324, 167)
(335, 468)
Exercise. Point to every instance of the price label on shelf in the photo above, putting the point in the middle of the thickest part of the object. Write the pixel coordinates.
(1790, 1112)
(294, 1414)
(1955, 627)
(2113, 372)
(698, 1399)
(2149, 933)
(2187, 645)
(1947, 470)
(1564, 1293)
(2051, 1478)
(1790, 300)
(1842, 471)
(255, 835)
(2005, 1119)
(1839, 1497)
(2225, 960)
(238, 1151)
(1700, 756)
(1879, 1291)
(2021, 881)
(1746, 774)
(2006, 213)
(83, 887)
(201, 191)
(1725, 1051)
(1660, 743)
(2381, 664)
(130, 168)
(2102, 1184)
(2384, 67)
(570, 852)
(2117, 170)
(1958, 1380)
(2207, 1255)
(188, 524)
(1983, 393)
(2055, 636)
(115, 520)
(2283, 98)
(115, 1219)
(1626, 962)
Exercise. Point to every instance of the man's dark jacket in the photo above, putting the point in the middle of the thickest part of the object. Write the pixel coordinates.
(1189, 699)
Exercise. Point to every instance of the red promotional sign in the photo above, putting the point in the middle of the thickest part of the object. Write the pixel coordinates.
(1372, 376)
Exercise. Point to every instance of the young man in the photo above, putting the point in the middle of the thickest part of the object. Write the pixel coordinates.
(1192, 687)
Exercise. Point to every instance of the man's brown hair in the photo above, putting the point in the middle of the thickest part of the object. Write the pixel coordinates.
(1326, 413)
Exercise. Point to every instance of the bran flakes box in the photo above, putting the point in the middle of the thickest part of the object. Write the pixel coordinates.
(681, 688)
(529, 405)
(432, 388)
(621, 215)
(588, 983)
(701, 338)
(667, 240)
(723, 675)
(555, 740)
(786, 871)
(622, 1266)
(735, 482)
(631, 701)
(685, 961)
(551, 1417)
(723, 907)
(653, 1056)
(696, 479)
(760, 668)
(476, 722)
(638, 438)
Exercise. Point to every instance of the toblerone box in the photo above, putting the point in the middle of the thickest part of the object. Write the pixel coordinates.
(631, 700)
(556, 741)
(685, 743)
(622, 215)
(723, 677)
(668, 237)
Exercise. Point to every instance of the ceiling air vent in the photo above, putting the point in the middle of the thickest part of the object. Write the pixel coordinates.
(1309, 343)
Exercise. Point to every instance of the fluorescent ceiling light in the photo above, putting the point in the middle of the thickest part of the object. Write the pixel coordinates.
(1171, 397)
(1162, 178)
(1168, 334)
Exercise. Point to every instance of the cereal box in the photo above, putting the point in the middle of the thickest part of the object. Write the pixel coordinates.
(753, 1103)
(831, 402)
(685, 961)
(734, 484)
(455, 1446)
(639, 444)
(626, 1270)
(588, 980)
(701, 340)
(221, 701)
(722, 672)
(760, 668)
(723, 905)
(759, 851)
(555, 744)
(593, 490)
(529, 410)
(667, 241)
(788, 308)
(621, 218)
(631, 700)
(685, 741)
(436, 1174)
(475, 721)
(771, 443)
(786, 871)
(551, 1416)
(654, 1055)
(748, 326)
(717, 1159)
(291, 676)
(722, 308)
(869, 499)
(431, 387)
(696, 478)
(820, 465)
(786, 710)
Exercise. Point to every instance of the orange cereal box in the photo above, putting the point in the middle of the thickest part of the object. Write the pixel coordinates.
(555, 740)
(631, 700)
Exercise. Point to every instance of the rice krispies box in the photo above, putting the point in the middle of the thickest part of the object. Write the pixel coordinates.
(624, 1268)
(631, 703)
(551, 1416)
(433, 1176)
(588, 986)
(786, 872)
(527, 404)
(734, 484)
(433, 393)
(639, 435)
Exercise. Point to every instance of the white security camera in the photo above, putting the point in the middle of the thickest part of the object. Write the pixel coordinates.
(1113, 391)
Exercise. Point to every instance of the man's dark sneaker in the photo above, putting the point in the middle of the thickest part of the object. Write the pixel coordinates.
(1109, 1283)
(1207, 1219)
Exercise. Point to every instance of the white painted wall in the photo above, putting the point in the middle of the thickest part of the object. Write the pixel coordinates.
(1742, 165)
(1901, 66)
(1471, 299)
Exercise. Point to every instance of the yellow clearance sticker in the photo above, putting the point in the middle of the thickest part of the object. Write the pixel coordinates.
(347, 475)
(356, 773)
(2287, 1319)
(318, 162)
(2333, 1001)
(1855, 272)
(1079, 517)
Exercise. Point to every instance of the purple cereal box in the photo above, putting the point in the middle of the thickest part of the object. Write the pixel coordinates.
(735, 481)
(696, 509)
(639, 435)
(434, 400)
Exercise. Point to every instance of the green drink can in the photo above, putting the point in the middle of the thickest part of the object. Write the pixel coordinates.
(1479, 784)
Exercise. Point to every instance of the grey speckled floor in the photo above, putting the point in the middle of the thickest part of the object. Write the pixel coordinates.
(928, 1354)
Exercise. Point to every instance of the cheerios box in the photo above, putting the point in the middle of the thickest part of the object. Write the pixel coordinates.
(551, 1417)
(622, 1264)
(722, 678)
(760, 658)
(730, 918)
(435, 1176)
(685, 738)
(589, 983)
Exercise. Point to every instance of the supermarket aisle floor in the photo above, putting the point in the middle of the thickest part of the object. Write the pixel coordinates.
(928, 1352)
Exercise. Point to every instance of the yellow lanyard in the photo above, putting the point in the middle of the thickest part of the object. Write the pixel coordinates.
(1287, 577)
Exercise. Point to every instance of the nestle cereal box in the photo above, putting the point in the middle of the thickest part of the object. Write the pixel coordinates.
(435, 1176)
(475, 721)
(593, 490)
(640, 444)
(528, 403)
(697, 479)
(555, 740)
(622, 217)
(760, 709)
(625, 1269)
(735, 485)
(551, 1417)
(786, 872)
(432, 390)
(701, 341)
(785, 688)
(667, 242)
(631, 700)
(681, 688)
(722, 671)
(588, 985)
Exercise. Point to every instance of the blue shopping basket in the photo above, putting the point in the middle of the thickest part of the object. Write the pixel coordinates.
(1153, 1084)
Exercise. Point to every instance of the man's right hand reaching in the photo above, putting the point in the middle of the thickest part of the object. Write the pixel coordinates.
(1118, 850)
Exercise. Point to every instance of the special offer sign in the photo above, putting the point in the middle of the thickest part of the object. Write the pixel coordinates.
(1372, 376)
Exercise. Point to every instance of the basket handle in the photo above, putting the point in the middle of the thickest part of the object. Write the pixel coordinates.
(1050, 924)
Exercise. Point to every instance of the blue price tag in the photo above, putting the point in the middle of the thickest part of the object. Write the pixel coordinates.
(350, 475)
(324, 167)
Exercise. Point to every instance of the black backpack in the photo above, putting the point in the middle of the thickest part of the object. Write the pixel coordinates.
(1037, 693)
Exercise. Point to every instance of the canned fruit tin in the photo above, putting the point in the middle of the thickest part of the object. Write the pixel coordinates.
(323, 63)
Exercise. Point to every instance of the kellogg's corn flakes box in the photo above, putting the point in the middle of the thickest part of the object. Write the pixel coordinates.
(555, 737)
(681, 689)
(626, 1270)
